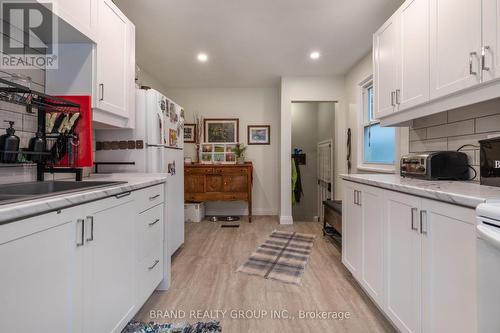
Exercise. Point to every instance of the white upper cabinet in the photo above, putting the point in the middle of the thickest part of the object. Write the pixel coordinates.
(385, 66)
(455, 45)
(112, 60)
(412, 86)
(491, 38)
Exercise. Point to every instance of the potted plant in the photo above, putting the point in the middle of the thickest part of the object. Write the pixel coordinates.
(239, 151)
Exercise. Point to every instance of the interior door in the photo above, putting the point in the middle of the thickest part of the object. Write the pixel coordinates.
(491, 39)
(448, 268)
(413, 78)
(110, 258)
(385, 50)
(112, 56)
(455, 45)
(403, 256)
(351, 230)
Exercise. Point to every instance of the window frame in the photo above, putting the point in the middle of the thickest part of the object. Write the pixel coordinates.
(364, 122)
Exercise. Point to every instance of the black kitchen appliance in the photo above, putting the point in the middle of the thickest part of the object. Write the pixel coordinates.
(9, 145)
(490, 161)
(442, 165)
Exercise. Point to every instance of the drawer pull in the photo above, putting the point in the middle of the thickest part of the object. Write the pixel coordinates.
(154, 197)
(154, 265)
(123, 195)
(154, 222)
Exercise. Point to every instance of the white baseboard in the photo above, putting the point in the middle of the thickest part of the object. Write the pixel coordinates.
(286, 220)
(241, 212)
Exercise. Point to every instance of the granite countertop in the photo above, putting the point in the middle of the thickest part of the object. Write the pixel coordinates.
(467, 194)
(33, 207)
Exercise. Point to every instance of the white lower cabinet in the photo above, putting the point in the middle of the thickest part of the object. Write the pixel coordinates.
(41, 278)
(427, 260)
(78, 269)
(109, 265)
(351, 230)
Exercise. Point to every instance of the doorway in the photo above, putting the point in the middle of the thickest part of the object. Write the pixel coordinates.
(313, 133)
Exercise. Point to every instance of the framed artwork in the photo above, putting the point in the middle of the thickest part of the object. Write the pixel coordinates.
(259, 134)
(221, 130)
(190, 133)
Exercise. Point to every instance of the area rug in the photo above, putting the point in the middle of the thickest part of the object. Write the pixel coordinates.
(282, 257)
(139, 327)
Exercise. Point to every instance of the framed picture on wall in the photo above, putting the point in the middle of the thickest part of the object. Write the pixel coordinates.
(259, 134)
(221, 130)
(189, 133)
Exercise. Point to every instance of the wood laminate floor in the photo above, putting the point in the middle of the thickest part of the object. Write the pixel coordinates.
(204, 278)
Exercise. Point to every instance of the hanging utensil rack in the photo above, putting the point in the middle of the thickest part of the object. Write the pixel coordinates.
(40, 103)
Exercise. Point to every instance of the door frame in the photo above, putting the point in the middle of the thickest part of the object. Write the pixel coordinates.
(332, 175)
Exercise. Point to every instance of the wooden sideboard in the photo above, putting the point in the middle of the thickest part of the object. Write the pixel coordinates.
(206, 182)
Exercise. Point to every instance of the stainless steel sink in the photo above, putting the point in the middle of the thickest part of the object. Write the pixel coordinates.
(10, 193)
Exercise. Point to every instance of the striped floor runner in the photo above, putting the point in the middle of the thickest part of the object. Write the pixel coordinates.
(282, 257)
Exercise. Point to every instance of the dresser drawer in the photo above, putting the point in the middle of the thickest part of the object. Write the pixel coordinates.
(150, 226)
(150, 272)
(198, 171)
(231, 171)
(149, 197)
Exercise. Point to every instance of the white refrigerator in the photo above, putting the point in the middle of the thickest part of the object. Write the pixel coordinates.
(159, 124)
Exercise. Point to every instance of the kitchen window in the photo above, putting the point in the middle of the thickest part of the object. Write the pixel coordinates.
(378, 148)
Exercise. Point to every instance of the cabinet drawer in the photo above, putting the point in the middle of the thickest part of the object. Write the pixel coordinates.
(197, 171)
(150, 197)
(232, 171)
(150, 226)
(150, 272)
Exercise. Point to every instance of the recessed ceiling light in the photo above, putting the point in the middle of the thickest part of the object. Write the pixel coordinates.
(202, 57)
(314, 55)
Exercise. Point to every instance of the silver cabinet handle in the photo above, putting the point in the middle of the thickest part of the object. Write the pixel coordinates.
(154, 222)
(154, 265)
(471, 59)
(91, 238)
(123, 195)
(423, 225)
(359, 198)
(483, 58)
(82, 234)
(398, 96)
(154, 197)
(392, 98)
(101, 92)
(413, 212)
(355, 196)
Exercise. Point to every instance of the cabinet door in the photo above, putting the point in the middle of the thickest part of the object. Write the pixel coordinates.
(41, 279)
(413, 74)
(352, 230)
(81, 14)
(372, 275)
(455, 45)
(214, 183)
(448, 268)
(235, 183)
(403, 261)
(110, 253)
(491, 38)
(194, 183)
(112, 60)
(385, 46)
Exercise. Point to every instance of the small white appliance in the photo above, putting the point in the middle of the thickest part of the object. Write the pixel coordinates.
(159, 124)
(488, 267)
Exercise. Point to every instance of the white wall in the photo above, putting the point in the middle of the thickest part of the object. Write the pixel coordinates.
(258, 106)
(315, 89)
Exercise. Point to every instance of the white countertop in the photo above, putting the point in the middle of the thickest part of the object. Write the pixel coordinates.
(33, 207)
(467, 194)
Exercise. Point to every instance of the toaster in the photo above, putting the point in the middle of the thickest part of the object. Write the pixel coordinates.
(442, 165)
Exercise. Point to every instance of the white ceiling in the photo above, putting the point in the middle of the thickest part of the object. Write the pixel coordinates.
(251, 43)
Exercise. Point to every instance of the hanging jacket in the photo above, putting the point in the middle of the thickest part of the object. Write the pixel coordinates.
(297, 190)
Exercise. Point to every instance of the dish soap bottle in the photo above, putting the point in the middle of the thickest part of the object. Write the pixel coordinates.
(37, 146)
(9, 145)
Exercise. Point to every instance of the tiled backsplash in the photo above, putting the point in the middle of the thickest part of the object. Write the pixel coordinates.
(452, 129)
